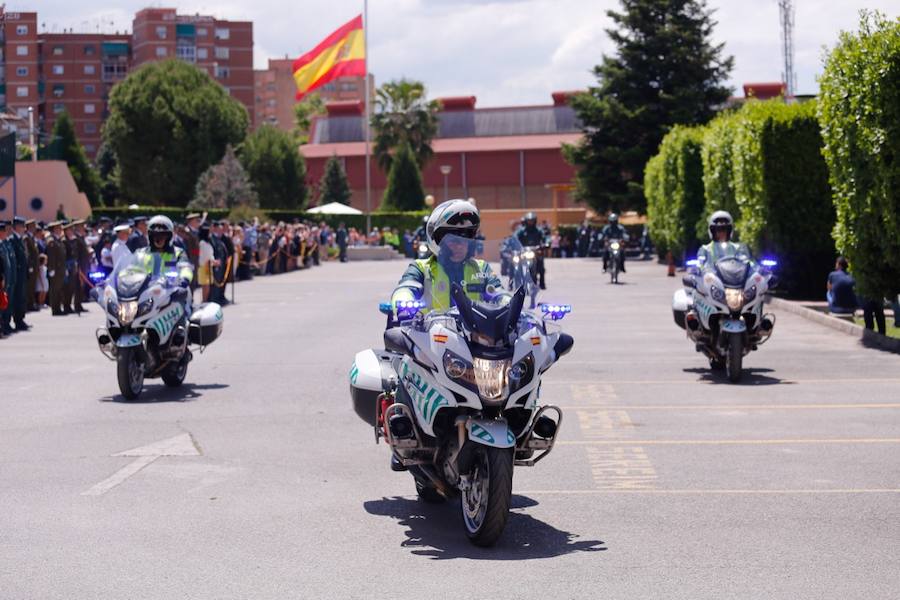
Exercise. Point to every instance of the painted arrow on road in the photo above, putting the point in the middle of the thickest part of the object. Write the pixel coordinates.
(180, 445)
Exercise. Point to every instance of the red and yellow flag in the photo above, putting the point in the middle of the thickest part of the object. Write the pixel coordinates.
(341, 54)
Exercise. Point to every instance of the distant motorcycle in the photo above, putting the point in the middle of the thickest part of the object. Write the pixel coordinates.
(523, 271)
(615, 249)
(422, 251)
(721, 310)
(147, 330)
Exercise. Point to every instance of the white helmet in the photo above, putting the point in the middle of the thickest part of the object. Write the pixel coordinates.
(720, 219)
(160, 225)
(459, 217)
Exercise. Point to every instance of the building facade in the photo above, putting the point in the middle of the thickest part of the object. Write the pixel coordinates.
(505, 158)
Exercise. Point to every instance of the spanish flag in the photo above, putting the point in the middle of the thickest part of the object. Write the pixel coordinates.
(341, 54)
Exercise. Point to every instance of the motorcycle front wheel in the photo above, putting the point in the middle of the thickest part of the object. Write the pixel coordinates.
(734, 358)
(130, 372)
(485, 502)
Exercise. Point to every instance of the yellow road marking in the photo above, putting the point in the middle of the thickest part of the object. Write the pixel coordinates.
(730, 442)
(711, 491)
(738, 406)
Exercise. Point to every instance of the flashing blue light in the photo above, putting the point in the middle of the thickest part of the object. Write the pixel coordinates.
(769, 262)
(96, 276)
(556, 311)
(693, 262)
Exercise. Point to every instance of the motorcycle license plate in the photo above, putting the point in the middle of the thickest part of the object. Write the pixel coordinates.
(733, 326)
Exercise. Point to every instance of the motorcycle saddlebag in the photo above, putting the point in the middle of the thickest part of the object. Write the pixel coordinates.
(205, 324)
(681, 303)
(371, 374)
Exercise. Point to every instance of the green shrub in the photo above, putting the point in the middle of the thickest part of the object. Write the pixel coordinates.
(860, 115)
(782, 193)
(673, 184)
(718, 172)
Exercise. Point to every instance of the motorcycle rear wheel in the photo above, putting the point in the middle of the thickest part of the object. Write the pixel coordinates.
(485, 504)
(130, 372)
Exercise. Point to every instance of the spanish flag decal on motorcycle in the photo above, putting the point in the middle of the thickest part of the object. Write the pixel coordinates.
(536, 341)
(440, 338)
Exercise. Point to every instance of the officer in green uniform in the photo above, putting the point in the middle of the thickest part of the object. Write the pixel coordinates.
(161, 257)
(429, 279)
(721, 227)
(34, 265)
(82, 263)
(56, 267)
(71, 246)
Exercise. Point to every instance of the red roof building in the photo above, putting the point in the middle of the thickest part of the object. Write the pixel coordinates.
(503, 157)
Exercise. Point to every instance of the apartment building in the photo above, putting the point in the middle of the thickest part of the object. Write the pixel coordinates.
(20, 77)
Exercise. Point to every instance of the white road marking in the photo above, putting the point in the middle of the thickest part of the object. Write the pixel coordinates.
(712, 491)
(180, 445)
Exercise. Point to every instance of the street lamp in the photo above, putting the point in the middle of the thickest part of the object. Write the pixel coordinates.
(445, 171)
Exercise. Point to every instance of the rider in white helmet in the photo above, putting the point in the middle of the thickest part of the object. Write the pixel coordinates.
(721, 227)
(161, 258)
(452, 260)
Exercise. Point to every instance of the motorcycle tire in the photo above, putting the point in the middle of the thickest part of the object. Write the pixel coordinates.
(130, 372)
(614, 272)
(486, 509)
(735, 358)
(173, 375)
(428, 494)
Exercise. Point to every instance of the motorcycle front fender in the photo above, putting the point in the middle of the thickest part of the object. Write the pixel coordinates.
(490, 432)
(128, 340)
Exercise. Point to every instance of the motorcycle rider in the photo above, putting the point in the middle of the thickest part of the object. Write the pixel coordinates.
(161, 257)
(428, 279)
(530, 235)
(506, 249)
(613, 231)
(721, 227)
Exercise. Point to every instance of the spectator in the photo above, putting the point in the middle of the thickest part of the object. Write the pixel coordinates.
(43, 284)
(840, 294)
(119, 249)
(555, 244)
(873, 313)
(206, 261)
(342, 238)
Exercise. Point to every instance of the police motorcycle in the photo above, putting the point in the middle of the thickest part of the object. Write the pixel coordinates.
(422, 250)
(523, 269)
(455, 395)
(148, 332)
(615, 248)
(721, 309)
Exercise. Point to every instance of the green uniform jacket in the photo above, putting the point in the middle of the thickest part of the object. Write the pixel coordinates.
(426, 280)
(714, 251)
(171, 259)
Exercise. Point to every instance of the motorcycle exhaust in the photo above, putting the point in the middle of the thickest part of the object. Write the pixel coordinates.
(401, 427)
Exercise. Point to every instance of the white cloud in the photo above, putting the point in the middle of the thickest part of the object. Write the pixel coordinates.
(503, 51)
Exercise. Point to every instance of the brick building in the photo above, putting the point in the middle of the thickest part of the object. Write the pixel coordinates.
(20, 77)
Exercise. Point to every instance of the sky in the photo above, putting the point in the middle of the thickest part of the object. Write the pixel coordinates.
(504, 52)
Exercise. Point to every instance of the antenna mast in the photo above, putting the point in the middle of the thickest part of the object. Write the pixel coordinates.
(786, 16)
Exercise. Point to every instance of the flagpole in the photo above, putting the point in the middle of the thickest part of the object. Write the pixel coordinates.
(366, 120)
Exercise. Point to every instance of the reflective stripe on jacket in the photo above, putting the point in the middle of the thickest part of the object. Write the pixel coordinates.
(159, 263)
(426, 280)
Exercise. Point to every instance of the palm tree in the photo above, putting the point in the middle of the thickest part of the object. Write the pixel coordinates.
(403, 114)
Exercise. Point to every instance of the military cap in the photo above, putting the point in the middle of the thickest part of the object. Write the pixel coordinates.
(53, 224)
(41, 224)
(192, 216)
(76, 222)
(3, 224)
(30, 222)
(122, 227)
(104, 220)
(139, 219)
(18, 220)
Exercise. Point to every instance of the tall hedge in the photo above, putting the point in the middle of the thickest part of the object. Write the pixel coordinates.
(860, 115)
(782, 192)
(674, 190)
(718, 172)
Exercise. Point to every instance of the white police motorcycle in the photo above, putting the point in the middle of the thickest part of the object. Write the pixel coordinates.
(455, 395)
(148, 332)
(721, 309)
(523, 269)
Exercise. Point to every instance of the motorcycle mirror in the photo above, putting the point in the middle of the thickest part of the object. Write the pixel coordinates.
(515, 307)
(385, 308)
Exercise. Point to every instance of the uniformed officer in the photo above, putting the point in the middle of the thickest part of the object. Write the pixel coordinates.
(10, 270)
(138, 238)
(18, 246)
(70, 245)
(83, 255)
(31, 248)
(56, 266)
(531, 235)
(192, 242)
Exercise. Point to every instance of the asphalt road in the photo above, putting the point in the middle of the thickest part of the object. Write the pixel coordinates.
(668, 481)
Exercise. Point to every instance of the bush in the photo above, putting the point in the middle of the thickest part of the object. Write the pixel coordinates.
(275, 167)
(673, 184)
(860, 115)
(782, 193)
(718, 172)
(404, 189)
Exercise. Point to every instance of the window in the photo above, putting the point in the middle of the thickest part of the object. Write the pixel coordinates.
(89, 69)
(90, 50)
(89, 109)
(186, 53)
(21, 29)
(90, 128)
(57, 50)
(58, 89)
(223, 33)
(89, 89)
(58, 69)
(22, 113)
(160, 50)
(90, 148)
(161, 32)
(222, 53)
(114, 71)
(36, 204)
(22, 71)
(21, 50)
(223, 72)
(271, 102)
(202, 53)
(58, 107)
(201, 31)
(22, 91)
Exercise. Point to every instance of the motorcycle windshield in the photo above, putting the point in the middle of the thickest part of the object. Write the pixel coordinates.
(733, 271)
(129, 278)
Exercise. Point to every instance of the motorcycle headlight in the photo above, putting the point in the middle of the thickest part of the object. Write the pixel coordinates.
(521, 373)
(455, 367)
(423, 248)
(529, 254)
(127, 312)
(717, 293)
(491, 377)
(614, 245)
(750, 294)
(734, 298)
(144, 307)
(516, 259)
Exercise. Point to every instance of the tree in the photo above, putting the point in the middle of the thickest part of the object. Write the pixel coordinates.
(224, 185)
(108, 172)
(73, 153)
(859, 110)
(304, 112)
(168, 122)
(666, 71)
(402, 114)
(404, 185)
(334, 186)
(275, 167)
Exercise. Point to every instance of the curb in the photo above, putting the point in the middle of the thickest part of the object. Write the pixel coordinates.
(868, 337)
